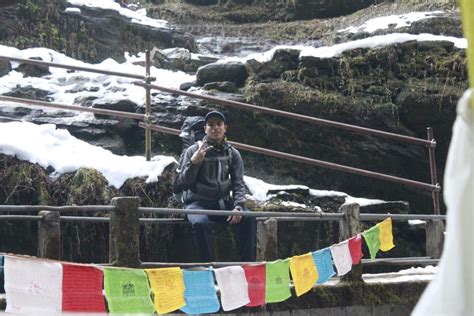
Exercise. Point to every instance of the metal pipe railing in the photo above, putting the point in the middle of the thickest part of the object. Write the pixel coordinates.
(20, 217)
(434, 176)
(130, 115)
(400, 217)
(259, 215)
(400, 261)
(300, 219)
(61, 209)
(147, 107)
(163, 221)
(85, 219)
(287, 217)
(299, 117)
(78, 68)
(362, 217)
(434, 187)
(179, 211)
(365, 262)
(315, 162)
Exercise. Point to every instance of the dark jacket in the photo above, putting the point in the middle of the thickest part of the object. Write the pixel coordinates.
(221, 172)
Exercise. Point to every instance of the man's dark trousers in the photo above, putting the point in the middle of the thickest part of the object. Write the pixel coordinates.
(202, 231)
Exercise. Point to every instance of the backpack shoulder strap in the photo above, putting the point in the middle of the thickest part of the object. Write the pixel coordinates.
(230, 154)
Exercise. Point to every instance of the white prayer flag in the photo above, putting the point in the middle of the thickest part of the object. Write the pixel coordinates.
(33, 286)
(341, 255)
(233, 287)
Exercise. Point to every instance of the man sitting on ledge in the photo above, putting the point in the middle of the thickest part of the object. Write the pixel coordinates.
(212, 175)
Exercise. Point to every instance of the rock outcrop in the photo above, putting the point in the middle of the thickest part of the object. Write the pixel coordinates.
(401, 88)
(87, 34)
(235, 72)
(300, 9)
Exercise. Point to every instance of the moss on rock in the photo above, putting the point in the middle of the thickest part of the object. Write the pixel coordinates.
(22, 182)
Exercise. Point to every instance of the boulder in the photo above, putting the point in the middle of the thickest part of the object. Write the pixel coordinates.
(122, 106)
(30, 70)
(235, 72)
(180, 59)
(5, 67)
(29, 92)
(282, 61)
(187, 85)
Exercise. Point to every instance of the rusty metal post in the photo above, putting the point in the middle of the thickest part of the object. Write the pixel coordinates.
(434, 238)
(267, 240)
(434, 176)
(49, 235)
(147, 107)
(349, 227)
(124, 230)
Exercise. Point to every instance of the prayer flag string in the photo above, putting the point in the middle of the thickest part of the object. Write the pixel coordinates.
(29, 282)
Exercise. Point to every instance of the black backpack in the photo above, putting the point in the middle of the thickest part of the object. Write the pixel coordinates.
(192, 131)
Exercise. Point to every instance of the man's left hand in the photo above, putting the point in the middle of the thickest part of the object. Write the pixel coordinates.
(235, 219)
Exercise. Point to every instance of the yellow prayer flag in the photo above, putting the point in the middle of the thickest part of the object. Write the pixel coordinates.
(303, 272)
(467, 13)
(167, 285)
(385, 235)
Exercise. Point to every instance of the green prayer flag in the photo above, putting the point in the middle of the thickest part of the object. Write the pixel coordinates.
(278, 281)
(127, 291)
(372, 239)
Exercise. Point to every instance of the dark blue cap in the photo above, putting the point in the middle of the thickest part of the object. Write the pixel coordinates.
(215, 114)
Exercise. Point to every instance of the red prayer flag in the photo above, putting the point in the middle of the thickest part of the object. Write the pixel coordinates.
(256, 279)
(82, 289)
(355, 247)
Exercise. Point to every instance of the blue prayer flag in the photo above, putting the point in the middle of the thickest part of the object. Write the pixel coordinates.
(323, 261)
(200, 292)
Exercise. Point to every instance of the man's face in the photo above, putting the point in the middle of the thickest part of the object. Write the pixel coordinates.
(215, 129)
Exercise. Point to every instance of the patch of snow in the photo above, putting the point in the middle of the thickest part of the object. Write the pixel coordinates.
(260, 189)
(416, 222)
(412, 274)
(379, 41)
(362, 201)
(176, 52)
(293, 204)
(105, 89)
(322, 193)
(48, 146)
(338, 49)
(73, 10)
(397, 21)
(138, 17)
(260, 192)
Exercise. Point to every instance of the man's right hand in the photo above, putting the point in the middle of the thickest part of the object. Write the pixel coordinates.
(200, 154)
